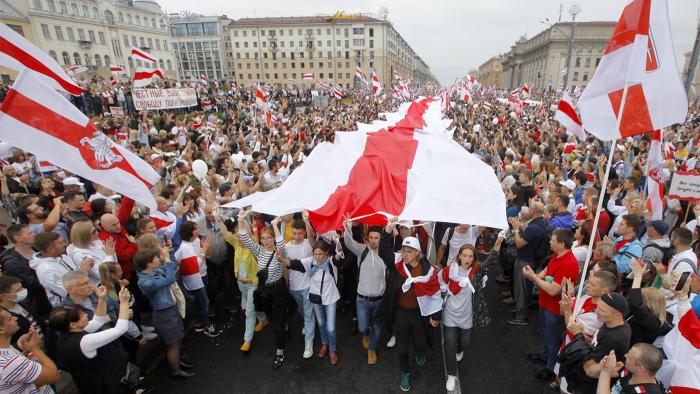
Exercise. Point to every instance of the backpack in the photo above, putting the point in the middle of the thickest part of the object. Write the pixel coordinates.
(667, 252)
(450, 233)
(692, 263)
(543, 253)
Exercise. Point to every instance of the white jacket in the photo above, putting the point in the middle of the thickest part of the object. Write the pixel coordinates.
(50, 271)
(96, 252)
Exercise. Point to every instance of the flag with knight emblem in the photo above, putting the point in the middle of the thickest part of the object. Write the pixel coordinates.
(36, 118)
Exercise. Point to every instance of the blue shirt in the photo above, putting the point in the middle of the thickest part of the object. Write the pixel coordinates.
(156, 285)
(623, 257)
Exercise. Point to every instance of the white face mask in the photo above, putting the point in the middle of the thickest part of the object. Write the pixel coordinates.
(21, 295)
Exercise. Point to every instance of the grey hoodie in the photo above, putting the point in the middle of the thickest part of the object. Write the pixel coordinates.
(50, 271)
(653, 253)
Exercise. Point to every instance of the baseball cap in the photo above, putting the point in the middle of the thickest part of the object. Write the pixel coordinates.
(571, 185)
(71, 180)
(411, 242)
(405, 223)
(660, 226)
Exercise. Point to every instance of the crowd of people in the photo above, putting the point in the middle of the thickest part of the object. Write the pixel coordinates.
(89, 276)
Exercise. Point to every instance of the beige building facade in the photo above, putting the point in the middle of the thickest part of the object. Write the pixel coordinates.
(696, 78)
(491, 72)
(18, 22)
(540, 60)
(281, 50)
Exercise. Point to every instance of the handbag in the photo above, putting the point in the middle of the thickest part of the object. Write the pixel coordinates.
(571, 360)
(262, 274)
(316, 298)
(261, 290)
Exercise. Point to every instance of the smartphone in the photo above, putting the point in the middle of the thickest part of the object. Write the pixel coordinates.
(681, 281)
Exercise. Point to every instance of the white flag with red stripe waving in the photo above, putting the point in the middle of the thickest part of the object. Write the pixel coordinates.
(639, 64)
(36, 118)
(143, 56)
(566, 115)
(19, 54)
(681, 371)
(144, 76)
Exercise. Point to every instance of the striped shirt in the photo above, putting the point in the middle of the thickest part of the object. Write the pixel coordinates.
(276, 269)
(18, 373)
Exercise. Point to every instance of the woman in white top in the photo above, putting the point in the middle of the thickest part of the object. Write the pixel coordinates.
(86, 243)
(582, 237)
(323, 292)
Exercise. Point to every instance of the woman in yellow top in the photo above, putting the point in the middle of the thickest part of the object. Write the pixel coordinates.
(245, 269)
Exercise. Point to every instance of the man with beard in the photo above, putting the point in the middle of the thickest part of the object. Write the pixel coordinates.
(37, 218)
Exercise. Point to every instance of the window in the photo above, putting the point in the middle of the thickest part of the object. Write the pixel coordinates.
(371, 32)
(53, 55)
(87, 59)
(129, 19)
(170, 65)
(578, 62)
(597, 61)
(245, 33)
(66, 58)
(347, 44)
(131, 63)
(585, 76)
(157, 44)
(81, 34)
(71, 35)
(160, 61)
(76, 58)
(92, 36)
(291, 32)
(358, 42)
(371, 43)
(318, 32)
(107, 62)
(358, 30)
(109, 17)
(52, 5)
(137, 19)
(347, 32)
(300, 32)
(252, 33)
(74, 9)
(36, 4)
(162, 24)
(142, 42)
(576, 76)
(150, 43)
(281, 32)
(301, 64)
(101, 35)
(153, 23)
(98, 61)
(588, 62)
(121, 17)
(126, 40)
(134, 42)
(245, 44)
(95, 13)
(165, 44)
(330, 75)
(45, 30)
(371, 54)
(64, 9)
(291, 44)
(328, 31)
(59, 32)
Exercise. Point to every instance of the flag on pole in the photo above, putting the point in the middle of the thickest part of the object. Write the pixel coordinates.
(655, 185)
(203, 79)
(75, 70)
(116, 69)
(376, 86)
(639, 64)
(337, 92)
(307, 75)
(143, 56)
(37, 119)
(566, 115)
(525, 91)
(680, 371)
(18, 54)
(564, 71)
(397, 76)
(260, 96)
(144, 76)
(44, 166)
(515, 92)
(360, 75)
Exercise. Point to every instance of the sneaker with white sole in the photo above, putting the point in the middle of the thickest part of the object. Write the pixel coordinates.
(392, 342)
(459, 356)
(211, 331)
(308, 349)
(451, 383)
(303, 331)
(149, 335)
(145, 328)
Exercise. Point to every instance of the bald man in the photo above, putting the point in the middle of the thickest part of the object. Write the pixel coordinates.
(113, 227)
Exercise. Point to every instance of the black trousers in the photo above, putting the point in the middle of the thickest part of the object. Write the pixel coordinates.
(276, 305)
(216, 272)
(409, 327)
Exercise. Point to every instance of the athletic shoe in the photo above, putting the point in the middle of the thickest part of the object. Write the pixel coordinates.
(199, 328)
(259, 327)
(149, 335)
(371, 357)
(308, 349)
(459, 356)
(365, 342)
(211, 331)
(517, 322)
(245, 347)
(405, 382)
(278, 361)
(392, 342)
(544, 374)
(451, 382)
(185, 364)
(420, 359)
(145, 328)
(183, 375)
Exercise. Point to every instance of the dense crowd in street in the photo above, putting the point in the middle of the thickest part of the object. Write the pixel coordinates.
(90, 276)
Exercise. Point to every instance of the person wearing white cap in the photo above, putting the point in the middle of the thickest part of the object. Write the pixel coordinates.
(72, 184)
(412, 297)
(568, 187)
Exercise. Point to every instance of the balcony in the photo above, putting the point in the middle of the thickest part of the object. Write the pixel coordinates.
(85, 44)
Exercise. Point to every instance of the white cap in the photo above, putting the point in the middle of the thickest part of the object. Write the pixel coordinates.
(411, 242)
(571, 185)
(71, 180)
(405, 223)
(154, 156)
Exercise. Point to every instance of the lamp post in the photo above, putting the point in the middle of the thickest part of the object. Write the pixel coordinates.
(574, 10)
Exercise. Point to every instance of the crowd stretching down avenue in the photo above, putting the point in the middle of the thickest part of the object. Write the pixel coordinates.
(139, 209)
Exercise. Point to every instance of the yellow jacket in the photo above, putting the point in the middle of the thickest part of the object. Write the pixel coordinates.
(250, 263)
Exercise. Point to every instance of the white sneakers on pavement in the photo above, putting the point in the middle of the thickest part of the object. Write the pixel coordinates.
(308, 349)
(451, 383)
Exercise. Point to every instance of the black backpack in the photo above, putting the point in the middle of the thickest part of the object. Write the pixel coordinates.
(667, 252)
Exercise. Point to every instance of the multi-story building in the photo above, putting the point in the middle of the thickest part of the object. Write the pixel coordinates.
(18, 22)
(97, 33)
(198, 45)
(491, 72)
(540, 60)
(695, 82)
(281, 50)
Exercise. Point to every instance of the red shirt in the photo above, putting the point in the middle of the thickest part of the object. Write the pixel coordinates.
(559, 268)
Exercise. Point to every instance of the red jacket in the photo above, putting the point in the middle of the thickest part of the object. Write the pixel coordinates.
(124, 248)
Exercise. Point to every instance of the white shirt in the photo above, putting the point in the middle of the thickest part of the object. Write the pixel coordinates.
(330, 290)
(298, 280)
(469, 237)
(685, 265)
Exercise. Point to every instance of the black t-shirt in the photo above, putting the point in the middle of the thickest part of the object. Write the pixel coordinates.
(605, 340)
(533, 234)
(623, 386)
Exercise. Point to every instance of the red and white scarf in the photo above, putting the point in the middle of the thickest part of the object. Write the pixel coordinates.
(450, 277)
(426, 288)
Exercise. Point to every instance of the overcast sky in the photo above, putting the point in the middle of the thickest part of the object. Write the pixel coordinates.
(453, 36)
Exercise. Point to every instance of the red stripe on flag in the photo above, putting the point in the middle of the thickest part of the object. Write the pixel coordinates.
(189, 266)
(683, 390)
(689, 327)
(569, 111)
(634, 20)
(379, 179)
(143, 55)
(148, 74)
(31, 62)
(44, 119)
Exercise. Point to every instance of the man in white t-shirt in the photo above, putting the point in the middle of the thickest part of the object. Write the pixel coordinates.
(457, 236)
(181, 133)
(684, 260)
(297, 249)
(273, 178)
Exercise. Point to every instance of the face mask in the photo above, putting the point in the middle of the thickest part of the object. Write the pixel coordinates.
(21, 295)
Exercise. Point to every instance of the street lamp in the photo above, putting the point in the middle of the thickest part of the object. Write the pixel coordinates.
(574, 10)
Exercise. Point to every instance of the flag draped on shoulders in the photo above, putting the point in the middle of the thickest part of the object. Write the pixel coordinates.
(426, 288)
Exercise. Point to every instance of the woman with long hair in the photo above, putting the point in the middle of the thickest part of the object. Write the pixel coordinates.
(648, 316)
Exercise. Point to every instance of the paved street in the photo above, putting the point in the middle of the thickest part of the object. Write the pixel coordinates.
(494, 364)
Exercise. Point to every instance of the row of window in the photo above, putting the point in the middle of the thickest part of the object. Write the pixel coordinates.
(300, 55)
(97, 60)
(70, 34)
(301, 65)
(194, 29)
(85, 12)
(308, 32)
(587, 62)
(308, 44)
(294, 76)
(142, 42)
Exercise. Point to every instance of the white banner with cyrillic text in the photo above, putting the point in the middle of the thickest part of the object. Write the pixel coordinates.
(164, 98)
(685, 186)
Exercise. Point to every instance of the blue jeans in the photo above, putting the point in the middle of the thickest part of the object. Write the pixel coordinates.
(552, 327)
(250, 313)
(202, 301)
(306, 310)
(365, 320)
(325, 315)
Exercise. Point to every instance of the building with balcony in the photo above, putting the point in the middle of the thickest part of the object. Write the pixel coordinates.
(540, 60)
(197, 44)
(18, 22)
(97, 33)
(280, 50)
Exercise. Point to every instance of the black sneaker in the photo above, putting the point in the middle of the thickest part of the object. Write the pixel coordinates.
(517, 322)
(212, 314)
(183, 375)
(278, 361)
(185, 364)
(211, 331)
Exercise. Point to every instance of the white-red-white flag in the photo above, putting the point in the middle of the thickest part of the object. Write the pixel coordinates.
(397, 76)
(360, 75)
(75, 70)
(655, 184)
(144, 76)
(681, 370)
(45, 166)
(117, 69)
(337, 92)
(525, 91)
(18, 54)
(260, 98)
(639, 63)
(143, 56)
(37, 119)
(566, 115)
(307, 75)
(376, 85)
(166, 223)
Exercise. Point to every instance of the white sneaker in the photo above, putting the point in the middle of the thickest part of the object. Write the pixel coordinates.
(303, 331)
(149, 335)
(308, 349)
(459, 356)
(392, 342)
(147, 328)
(451, 382)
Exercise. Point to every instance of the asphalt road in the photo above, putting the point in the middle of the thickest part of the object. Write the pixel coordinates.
(495, 363)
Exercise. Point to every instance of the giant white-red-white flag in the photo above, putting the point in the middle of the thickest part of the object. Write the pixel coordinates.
(681, 370)
(376, 85)
(566, 115)
(394, 170)
(19, 54)
(638, 63)
(36, 118)
(655, 184)
(144, 76)
(143, 56)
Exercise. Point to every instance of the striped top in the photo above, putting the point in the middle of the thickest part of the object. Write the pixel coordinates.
(276, 269)
(18, 373)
